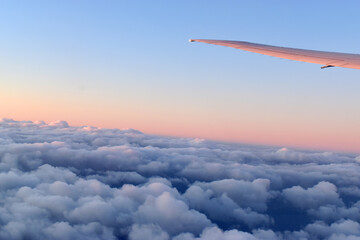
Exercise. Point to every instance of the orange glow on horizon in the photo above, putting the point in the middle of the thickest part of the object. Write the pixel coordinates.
(183, 123)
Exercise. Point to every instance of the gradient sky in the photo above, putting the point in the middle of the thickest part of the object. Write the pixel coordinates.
(128, 64)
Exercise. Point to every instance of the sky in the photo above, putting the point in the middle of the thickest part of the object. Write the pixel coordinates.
(128, 64)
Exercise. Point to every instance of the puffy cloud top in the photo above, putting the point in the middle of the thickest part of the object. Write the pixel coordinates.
(64, 182)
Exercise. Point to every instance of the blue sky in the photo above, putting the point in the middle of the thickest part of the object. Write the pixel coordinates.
(129, 64)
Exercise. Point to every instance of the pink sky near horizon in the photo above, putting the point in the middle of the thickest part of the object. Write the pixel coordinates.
(312, 134)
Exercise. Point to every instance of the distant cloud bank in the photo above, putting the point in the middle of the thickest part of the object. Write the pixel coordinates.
(64, 182)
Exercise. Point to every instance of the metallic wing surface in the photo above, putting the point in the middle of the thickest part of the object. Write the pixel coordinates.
(327, 59)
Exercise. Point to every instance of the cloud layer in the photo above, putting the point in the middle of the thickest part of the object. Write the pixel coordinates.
(63, 182)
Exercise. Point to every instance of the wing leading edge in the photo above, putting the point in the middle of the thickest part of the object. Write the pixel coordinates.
(327, 59)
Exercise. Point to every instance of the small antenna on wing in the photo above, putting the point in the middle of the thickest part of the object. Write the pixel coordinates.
(327, 66)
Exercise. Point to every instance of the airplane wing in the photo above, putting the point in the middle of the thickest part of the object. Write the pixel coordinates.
(327, 59)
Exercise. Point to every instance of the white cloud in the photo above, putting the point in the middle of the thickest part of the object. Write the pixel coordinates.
(149, 231)
(59, 181)
(323, 193)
